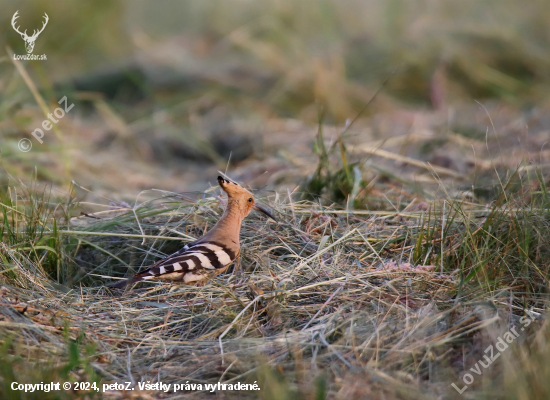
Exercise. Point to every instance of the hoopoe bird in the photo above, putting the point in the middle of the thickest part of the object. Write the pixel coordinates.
(211, 254)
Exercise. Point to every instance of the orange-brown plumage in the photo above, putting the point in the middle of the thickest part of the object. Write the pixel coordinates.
(212, 253)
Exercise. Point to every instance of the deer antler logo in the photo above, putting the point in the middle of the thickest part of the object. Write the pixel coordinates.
(29, 40)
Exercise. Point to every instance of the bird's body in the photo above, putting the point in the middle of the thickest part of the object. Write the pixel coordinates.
(212, 253)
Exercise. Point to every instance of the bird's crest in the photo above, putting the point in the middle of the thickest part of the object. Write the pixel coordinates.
(232, 189)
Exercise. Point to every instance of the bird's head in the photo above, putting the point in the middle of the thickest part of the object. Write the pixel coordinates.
(241, 198)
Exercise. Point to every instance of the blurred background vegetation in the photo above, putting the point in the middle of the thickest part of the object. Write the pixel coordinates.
(168, 93)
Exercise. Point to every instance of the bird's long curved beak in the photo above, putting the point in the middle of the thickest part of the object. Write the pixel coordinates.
(263, 210)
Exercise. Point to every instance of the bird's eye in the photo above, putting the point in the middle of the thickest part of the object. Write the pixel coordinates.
(250, 200)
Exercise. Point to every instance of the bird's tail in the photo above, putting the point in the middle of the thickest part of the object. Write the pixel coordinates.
(134, 279)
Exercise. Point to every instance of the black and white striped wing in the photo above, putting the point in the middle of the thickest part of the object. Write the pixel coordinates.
(192, 263)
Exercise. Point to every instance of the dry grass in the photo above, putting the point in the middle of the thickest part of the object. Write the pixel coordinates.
(323, 303)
